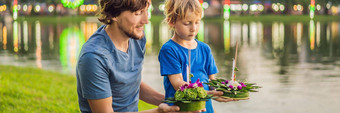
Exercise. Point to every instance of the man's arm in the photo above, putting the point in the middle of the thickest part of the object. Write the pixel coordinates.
(105, 106)
(101, 105)
(150, 95)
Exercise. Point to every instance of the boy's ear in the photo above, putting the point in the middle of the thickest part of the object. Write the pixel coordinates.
(171, 24)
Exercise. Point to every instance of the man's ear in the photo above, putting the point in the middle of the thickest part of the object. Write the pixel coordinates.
(114, 19)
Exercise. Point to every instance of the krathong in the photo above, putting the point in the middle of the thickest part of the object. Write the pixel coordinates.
(190, 97)
(234, 89)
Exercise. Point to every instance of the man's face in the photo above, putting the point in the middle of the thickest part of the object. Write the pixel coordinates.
(132, 23)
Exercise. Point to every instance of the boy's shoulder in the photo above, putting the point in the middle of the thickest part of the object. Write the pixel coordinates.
(168, 45)
(202, 45)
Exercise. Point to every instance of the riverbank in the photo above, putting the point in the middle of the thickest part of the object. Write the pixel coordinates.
(158, 18)
(25, 90)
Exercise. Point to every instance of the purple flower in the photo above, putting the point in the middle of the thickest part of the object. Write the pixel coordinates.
(191, 85)
(243, 85)
(184, 87)
(226, 81)
(196, 84)
(197, 81)
(199, 84)
(239, 87)
(222, 82)
(230, 86)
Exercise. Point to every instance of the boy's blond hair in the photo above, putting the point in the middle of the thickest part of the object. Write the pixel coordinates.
(177, 9)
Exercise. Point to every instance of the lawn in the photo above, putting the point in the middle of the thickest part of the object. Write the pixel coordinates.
(26, 90)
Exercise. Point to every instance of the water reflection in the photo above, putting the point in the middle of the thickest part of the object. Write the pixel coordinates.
(149, 36)
(164, 32)
(25, 35)
(4, 37)
(71, 41)
(290, 60)
(15, 36)
(200, 34)
(226, 36)
(38, 44)
(312, 34)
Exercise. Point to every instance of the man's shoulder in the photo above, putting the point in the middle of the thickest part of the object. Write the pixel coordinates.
(96, 44)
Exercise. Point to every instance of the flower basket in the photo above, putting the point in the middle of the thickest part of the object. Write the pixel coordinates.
(192, 106)
(190, 97)
(233, 89)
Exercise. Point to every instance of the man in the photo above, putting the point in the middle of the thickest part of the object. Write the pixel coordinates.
(110, 62)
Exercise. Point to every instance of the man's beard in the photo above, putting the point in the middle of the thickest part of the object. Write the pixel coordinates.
(131, 34)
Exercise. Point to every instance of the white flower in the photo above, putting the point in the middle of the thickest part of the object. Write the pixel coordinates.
(195, 85)
(234, 84)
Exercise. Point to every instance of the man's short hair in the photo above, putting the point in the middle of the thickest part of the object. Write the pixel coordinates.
(113, 8)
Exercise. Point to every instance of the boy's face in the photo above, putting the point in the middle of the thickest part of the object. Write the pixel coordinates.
(132, 23)
(187, 28)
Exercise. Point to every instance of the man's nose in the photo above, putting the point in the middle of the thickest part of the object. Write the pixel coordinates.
(145, 19)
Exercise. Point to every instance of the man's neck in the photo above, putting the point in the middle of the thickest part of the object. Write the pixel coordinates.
(119, 39)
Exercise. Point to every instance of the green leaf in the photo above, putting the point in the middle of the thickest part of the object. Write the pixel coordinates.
(191, 75)
(186, 101)
(236, 69)
(170, 101)
(253, 90)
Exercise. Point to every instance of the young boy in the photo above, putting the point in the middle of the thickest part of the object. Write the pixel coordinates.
(184, 16)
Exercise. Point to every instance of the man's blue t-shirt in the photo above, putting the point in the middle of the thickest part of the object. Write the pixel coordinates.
(173, 59)
(104, 71)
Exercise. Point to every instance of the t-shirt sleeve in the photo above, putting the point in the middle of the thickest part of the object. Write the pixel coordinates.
(93, 77)
(169, 63)
(211, 67)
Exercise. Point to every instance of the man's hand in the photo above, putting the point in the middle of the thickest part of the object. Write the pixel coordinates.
(165, 108)
(219, 94)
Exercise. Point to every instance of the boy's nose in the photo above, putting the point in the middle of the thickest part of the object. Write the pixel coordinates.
(193, 28)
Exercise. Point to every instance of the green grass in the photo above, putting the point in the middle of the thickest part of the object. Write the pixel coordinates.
(25, 90)
(145, 106)
(31, 90)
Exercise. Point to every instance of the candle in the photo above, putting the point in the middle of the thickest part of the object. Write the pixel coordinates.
(233, 71)
(188, 74)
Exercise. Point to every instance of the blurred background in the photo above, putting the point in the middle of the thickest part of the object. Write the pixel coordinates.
(289, 47)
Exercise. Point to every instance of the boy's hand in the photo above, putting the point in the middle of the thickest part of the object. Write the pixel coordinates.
(219, 94)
